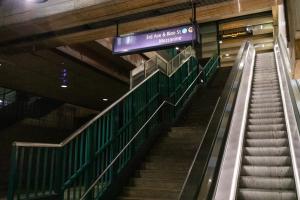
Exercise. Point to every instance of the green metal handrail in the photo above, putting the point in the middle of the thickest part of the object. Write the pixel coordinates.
(67, 170)
(210, 68)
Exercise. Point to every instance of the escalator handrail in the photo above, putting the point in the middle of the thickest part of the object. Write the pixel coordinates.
(216, 127)
(289, 93)
(229, 170)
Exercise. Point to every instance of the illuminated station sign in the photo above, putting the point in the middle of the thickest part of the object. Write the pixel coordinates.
(154, 40)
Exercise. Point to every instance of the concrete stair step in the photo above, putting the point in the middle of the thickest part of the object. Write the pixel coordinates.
(161, 173)
(166, 165)
(160, 183)
(152, 192)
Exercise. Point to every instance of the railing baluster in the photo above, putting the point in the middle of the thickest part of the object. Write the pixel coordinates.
(29, 169)
(21, 172)
(93, 150)
(52, 160)
(37, 170)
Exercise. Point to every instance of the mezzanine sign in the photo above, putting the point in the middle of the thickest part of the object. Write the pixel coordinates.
(154, 40)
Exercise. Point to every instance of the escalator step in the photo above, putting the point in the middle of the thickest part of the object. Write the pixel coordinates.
(266, 115)
(266, 127)
(280, 142)
(267, 160)
(250, 194)
(264, 82)
(265, 121)
(267, 151)
(265, 110)
(258, 182)
(263, 89)
(262, 96)
(264, 171)
(266, 135)
(265, 105)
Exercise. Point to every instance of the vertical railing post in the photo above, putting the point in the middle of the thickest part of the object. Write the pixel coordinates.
(145, 70)
(59, 179)
(114, 121)
(13, 173)
(131, 79)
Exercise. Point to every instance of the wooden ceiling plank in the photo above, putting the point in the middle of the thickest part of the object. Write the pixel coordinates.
(204, 14)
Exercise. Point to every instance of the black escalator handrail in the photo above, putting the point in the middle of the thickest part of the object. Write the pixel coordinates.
(217, 128)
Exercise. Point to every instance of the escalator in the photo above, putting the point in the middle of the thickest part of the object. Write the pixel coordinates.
(266, 170)
(251, 148)
(261, 153)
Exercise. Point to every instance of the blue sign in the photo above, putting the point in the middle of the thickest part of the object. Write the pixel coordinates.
(154, 40)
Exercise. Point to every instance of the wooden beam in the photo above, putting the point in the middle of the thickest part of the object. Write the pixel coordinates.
(58, 15)
(245, 22)
(109, 64)
(204, 14)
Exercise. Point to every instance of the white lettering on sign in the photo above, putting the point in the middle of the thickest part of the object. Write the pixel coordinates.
(168, 40)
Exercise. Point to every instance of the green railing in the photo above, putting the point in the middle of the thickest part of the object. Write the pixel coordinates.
(86, 164)
(210, 68)
(147, 68)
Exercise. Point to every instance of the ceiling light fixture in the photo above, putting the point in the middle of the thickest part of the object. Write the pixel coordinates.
(177, 48)
(104, 99)
(227, 54)
(37, 1)
(220, 42)
(63, 86)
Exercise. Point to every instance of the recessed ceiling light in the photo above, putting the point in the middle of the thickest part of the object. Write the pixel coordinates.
(104, 99)
(220, 41)
(37, 1)
(63, 86)
(227, 54)
(177, 48)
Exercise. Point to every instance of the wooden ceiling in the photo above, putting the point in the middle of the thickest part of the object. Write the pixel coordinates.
(262, 35)
(91, 22)
(28, 35)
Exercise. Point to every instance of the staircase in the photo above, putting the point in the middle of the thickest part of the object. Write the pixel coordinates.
(166, 166)
(53, 127)
(266, 171)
